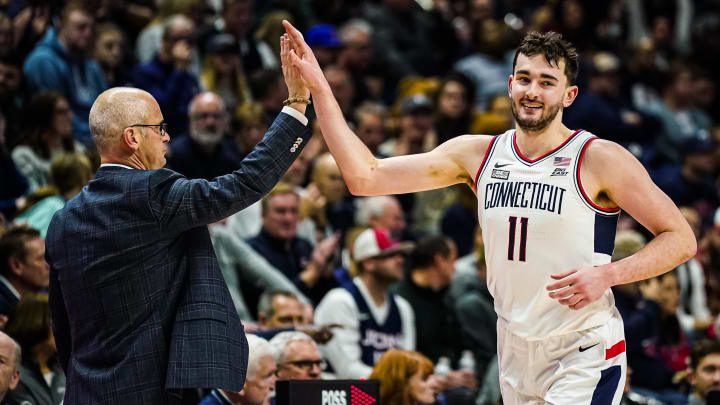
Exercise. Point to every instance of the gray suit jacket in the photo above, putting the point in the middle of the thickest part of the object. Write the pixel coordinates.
(140, 308)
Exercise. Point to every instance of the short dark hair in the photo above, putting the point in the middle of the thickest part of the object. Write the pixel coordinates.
(551, 45)
(265, 303)
(424, 253)
(701, 349)
(30, 321)
(12, 244)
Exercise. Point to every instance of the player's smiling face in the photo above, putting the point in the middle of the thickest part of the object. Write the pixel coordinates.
(539, 90)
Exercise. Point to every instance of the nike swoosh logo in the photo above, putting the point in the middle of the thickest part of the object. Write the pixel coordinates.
(498, 165)
(582, 349)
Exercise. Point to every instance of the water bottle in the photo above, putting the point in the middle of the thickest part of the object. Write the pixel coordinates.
(467, 361)
(443, 366)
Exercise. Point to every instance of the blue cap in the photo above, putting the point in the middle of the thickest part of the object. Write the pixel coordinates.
(323, 35)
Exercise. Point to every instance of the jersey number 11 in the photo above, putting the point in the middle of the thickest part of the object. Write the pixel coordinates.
(523, 238)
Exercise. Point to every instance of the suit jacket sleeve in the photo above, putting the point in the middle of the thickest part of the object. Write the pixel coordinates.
(60, 323)
(180, 204)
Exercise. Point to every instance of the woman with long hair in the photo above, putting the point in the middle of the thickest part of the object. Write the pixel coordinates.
(404, 378)
(223, 71)
(454, 106)
(45, 133)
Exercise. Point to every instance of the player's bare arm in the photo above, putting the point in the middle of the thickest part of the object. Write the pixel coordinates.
(450, 163)
(614, 178)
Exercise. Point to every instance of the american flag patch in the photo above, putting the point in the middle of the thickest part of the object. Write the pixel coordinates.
(561, 161)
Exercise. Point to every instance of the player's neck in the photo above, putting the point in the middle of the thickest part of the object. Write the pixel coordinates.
(534, 144)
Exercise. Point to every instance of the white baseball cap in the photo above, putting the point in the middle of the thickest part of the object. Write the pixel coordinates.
(375, 242)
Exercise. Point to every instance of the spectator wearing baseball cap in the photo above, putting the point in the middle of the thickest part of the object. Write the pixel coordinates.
(373, 320)
(325, 43)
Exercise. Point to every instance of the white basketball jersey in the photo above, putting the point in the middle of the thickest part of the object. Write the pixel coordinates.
(537, 221)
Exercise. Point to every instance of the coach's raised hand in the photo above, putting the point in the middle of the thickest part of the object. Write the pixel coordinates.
(297, 88)
(304, 60)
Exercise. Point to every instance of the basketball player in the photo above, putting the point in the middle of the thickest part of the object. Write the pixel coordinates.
(549, 198)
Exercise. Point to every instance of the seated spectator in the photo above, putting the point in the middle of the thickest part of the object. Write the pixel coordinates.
(45, 133)
(241, 264)
(12, 95)
(23, 269)
(405, 378)
(259, 381)
(204, 153)
(279, 309)
(373, 320)
(267, 34)
(269, 90)
(42, 381)
(325, 44)
(60, 63)
(459, 221)
(10, 352)
(166, 77)
(223, 71)
(416, 128)
(343, 89)
(297, 356)
(704, 372)
(109, 52)
(69, 173)
(454, 103)
(382, 212)
(326, 201)
(278, 242)
(357, 55)
(249, 127)
(370, 121)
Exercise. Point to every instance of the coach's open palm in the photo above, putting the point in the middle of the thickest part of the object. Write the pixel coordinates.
(303, 59)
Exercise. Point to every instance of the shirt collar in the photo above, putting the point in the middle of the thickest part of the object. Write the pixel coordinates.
(115, 165)
(10, 286)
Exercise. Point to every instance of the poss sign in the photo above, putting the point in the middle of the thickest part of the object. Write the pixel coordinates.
(328, 392)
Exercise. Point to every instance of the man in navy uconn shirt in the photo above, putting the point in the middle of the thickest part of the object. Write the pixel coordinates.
(374, 320)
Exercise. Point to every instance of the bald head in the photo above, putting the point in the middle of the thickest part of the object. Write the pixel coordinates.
(206, 99)
(328, 179)
(116, 109)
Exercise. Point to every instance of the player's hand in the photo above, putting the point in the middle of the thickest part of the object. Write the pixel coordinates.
(304, 60)
(297, 87)
(578, 288)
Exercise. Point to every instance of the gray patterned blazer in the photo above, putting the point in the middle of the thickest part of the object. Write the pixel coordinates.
(140, 308)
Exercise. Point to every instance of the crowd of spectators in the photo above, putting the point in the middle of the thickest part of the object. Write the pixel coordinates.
(323, 276)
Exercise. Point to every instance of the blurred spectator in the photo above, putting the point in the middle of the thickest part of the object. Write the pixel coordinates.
(236, 20)
(326, 201)
(11, 95)
(342, 87)
(10, 353)
(383, 212)
(416, 128)
(709, 248)
(297, 356)
(223, 72)
(279, 309)
(372, 319)
(259, 382)
(23, 269)
(7, 40)
(268, 89)
(166, 77)
(278, 242)
(242, 265)
(69, 173)
(693, 312)
(204, 152)
(679, 117)
(45, 133)
(426, 290)
(325, 44)
(149, 41)
(602, 109)
(30, 26)
(60, 63)
(454, 103)
(704, 371)
(42, 381)
(14, 183)
(405, 378)
(666, 24)
(460, 219)
(497, 119)
(109, 52)
(370, 120)
(132, 15)
(403, 35)
(268, 34)
(693, 180)
(249, 127)
(358, 57)
(491, 65)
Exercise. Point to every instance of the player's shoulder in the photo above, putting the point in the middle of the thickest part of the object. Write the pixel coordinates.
(602, 151)
(467, 144)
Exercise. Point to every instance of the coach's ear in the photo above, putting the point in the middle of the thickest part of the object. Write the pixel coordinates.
(131, 137)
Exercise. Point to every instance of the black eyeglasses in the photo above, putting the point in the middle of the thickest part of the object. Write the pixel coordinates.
(162, 126)
(308, 364)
